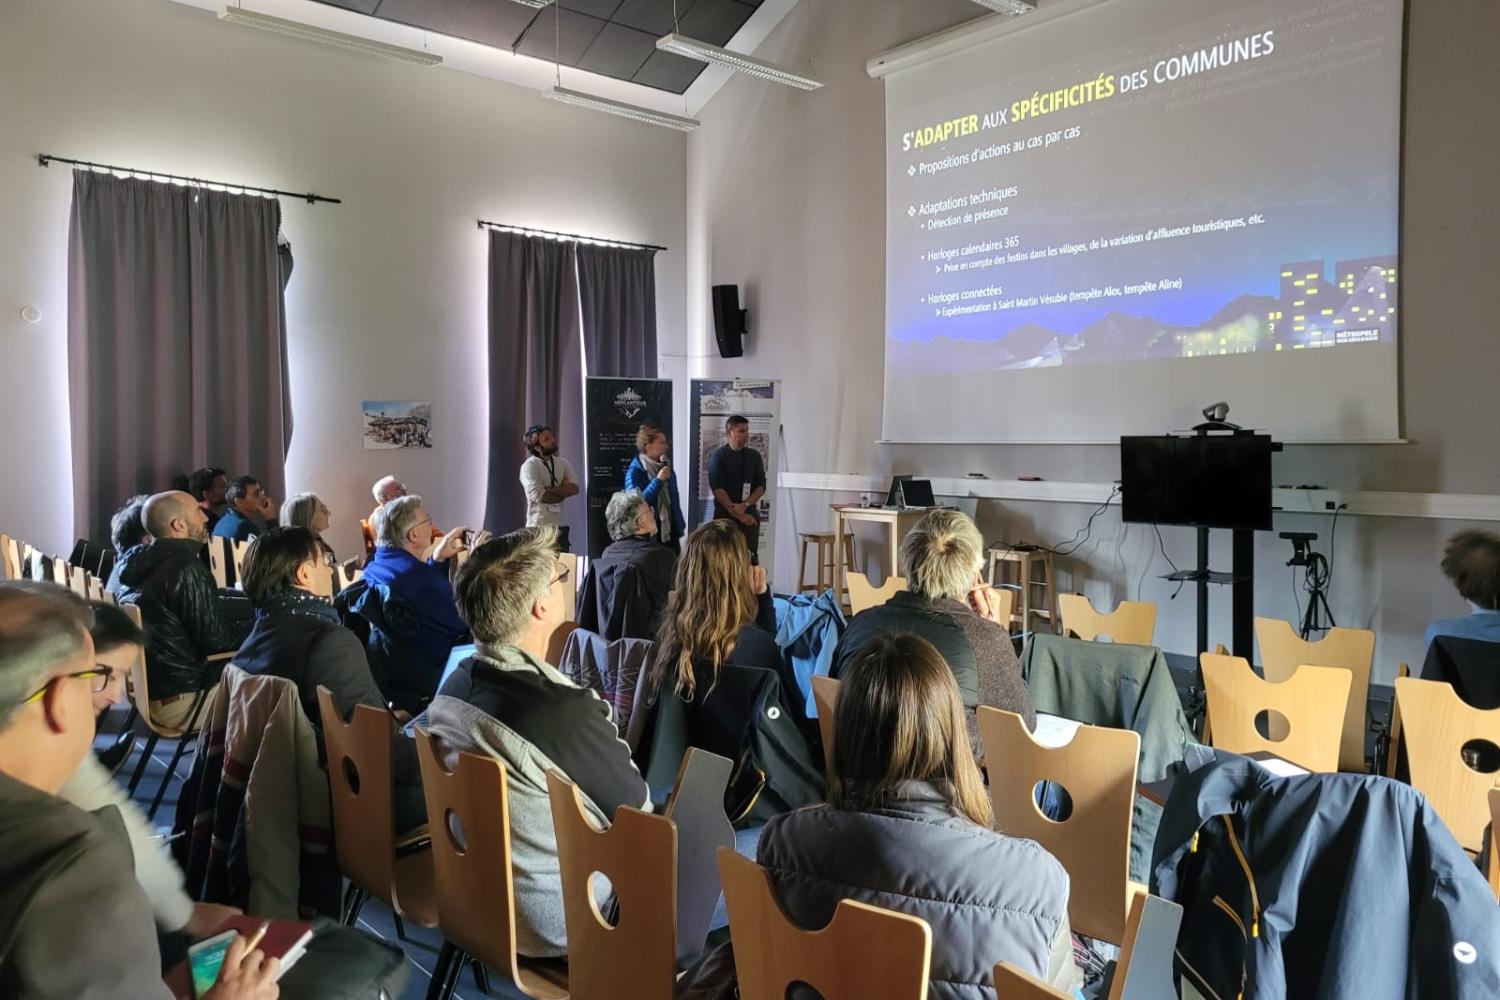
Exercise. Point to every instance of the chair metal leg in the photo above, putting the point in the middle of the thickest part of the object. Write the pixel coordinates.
(455, 970)
(140, 768)
(446, 958)
(188, 736)
(400, 927)
(354, 901)
(481, 977)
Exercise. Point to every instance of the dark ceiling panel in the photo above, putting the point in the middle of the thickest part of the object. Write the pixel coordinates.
(653, 16)
(670, 72)
(434, 15)
(578, 33)
(715, 21)
(603, 9)
(618, 52)
(493, 22)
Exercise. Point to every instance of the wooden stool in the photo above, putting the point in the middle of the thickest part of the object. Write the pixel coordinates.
(827, 578)
(1026, 563)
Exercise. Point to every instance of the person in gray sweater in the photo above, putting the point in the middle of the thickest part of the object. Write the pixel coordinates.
(907, 827)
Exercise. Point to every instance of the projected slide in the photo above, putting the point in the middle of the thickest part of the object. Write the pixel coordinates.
(1172, 186)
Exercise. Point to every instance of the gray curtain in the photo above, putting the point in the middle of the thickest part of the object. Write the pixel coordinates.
(176, 339)
(535, 369)
(617, 295)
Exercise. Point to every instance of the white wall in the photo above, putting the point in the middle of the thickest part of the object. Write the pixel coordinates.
(388, 300)
(786, 198)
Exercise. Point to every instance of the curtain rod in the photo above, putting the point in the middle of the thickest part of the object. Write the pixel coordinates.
(567, 236)
(45, 159)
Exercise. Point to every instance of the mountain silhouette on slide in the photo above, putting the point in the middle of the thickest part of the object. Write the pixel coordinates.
(1255, 306)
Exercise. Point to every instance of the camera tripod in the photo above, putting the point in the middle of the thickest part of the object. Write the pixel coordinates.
(1319, 616)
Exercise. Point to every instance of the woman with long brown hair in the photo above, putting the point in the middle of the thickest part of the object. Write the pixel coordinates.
(908, 827)
(716, 677)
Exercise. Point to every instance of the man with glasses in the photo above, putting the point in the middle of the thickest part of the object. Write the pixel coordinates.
(76, 923)
(507, 702)
(416, 623)
(548, 480)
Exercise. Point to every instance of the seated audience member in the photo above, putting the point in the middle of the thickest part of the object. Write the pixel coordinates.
(297, 636)
(1472, 563)
(908, 827)
(179, 605)
(76, 924)
(208, 486)
(250, 511)
(947, 604)
(429, 621)
(721, 619)
(507, 702)
(307, 510)
(626, 588)
(650, 474)
(390, 488)
(126, 531)
(117, 643)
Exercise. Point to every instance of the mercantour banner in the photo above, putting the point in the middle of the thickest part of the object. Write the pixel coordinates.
(713, 401)
(614, 409)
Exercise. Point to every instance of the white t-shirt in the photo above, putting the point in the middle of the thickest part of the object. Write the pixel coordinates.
(538, 474)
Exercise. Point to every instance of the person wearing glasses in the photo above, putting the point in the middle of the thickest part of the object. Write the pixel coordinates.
(548, 480)
(76, 923)
(117, 645)
(508, 702)
(416, 624)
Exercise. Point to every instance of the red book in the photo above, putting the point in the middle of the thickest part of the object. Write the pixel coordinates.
(285, 939)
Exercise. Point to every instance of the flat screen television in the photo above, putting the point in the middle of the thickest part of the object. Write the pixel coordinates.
(1212, 481)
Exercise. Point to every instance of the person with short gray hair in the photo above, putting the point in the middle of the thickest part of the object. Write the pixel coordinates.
(407, 666)
(626, 588)
(948, 604)
(509, 703)
(307, 510)
(78, 924)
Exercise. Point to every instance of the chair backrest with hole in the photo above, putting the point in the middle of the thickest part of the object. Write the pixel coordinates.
(1312, 701)
(1097, 768)
(636, 959)
(1133, 622)
(1494, 867)
(825, 692)
(468, 809)
(237, 550)
(1436, 725)
(864, 952)
(218, 560)
(863, 594)
(1282, 651)
(359, 778)
(10, 558)
(140, 691)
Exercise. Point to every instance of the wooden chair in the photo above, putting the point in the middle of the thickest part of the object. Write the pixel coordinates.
(864, 952)
(1493, 873)
(1436, 724)
(636, 958)
(1282, 651)
(1036, 597)
(825, 692)
(1098, 771)
(219, 560)
(1144, 968)
(1012, 983)
(1133, 622)
(10, 558)
(469, 813)
(569, 561)
(863, 594)
(237, 552)
(826, 561)
(367, 532)
(1313, 701)
(140, 694)
(396, 872)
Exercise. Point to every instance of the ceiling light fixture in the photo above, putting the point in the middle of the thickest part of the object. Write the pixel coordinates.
(632, 111)
(534, 4)
(1015, 8)
(739, 62)
(338, 39)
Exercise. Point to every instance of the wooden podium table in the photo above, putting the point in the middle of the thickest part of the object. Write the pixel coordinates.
(896, 523)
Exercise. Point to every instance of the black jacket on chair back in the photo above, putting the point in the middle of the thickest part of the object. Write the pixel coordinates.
(626, 588)
(180, 608)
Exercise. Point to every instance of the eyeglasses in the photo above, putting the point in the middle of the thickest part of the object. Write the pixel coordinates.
(100, 675)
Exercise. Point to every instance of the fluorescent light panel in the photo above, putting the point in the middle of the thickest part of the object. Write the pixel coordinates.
(535, 4)
(338, 39)
(739, 62)
(1015, 8)
(632, 111)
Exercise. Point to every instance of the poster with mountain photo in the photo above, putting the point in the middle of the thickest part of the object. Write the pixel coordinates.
(391, 425)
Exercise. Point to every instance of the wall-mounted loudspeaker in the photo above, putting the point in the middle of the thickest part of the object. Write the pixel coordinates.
(730, 321)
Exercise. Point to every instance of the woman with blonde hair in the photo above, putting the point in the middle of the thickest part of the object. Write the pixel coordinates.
(651, 474)
(716, 676)
(307, 510)
(905, 789)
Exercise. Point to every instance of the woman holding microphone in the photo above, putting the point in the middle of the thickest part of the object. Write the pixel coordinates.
(651, 473)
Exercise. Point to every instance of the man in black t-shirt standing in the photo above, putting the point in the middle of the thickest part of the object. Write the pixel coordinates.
(737, 476)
